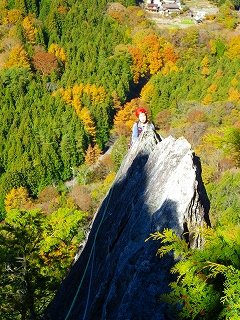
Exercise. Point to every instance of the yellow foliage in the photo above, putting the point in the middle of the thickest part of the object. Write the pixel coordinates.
(219, 74)
(234, 82)
(212, 88)
(165, 70)
(137, 65)
(66, 95)
(16, 199)
(101, 95)
(151, 49)
(18, 57)
(213, 47)
(73, 96)
(147, 92)
(155, 62)
(233, 94)
(208, 173)
(207, 100)
(77, 90)
(205, 71)
(76, 102)
(92, 155)
(88, 121)
(87, 89)
(110, 178)
(205, 62)
(233, 51)
(116, 102)
(12, 16)
(29, 30)
(59, 52)
(125, 118)
(98, 95)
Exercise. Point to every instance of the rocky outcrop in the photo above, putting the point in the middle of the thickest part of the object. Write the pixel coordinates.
(117, 275)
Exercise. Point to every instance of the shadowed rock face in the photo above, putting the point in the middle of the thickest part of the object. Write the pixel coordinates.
(117, 275)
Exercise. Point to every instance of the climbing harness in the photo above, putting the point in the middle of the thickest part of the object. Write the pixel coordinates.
(92, 252)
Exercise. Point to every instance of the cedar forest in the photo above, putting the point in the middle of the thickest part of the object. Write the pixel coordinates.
(72, 74)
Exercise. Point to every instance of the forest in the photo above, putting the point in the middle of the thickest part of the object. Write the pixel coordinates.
(72, 74)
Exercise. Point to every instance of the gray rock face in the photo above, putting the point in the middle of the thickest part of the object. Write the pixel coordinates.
(117, 275)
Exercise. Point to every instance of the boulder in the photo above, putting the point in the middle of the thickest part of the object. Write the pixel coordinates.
(116, 274)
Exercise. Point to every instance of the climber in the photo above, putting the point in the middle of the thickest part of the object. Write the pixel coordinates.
(139, 126)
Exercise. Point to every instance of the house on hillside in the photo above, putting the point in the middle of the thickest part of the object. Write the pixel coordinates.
(152, 5)
(170, 8)
(166, 6)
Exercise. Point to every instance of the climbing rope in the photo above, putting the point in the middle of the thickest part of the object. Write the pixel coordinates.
(93, 251)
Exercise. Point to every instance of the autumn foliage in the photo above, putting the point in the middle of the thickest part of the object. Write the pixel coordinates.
(18, 57)
(17, 198)
(45, 62)
(125, 118)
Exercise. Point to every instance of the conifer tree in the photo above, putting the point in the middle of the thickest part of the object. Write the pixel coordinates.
(29, 29)
(207, 284)
(18, 57)
(35, 253)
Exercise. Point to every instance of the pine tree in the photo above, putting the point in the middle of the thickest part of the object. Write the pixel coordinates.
(18, 57)
(207, 283)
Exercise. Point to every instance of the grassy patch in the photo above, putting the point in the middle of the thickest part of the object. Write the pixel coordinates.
(187, 22)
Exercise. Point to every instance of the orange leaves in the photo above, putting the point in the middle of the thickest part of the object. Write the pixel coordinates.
(149, 55)
(170, 55)
(196, 116)
(45, 62)
(152, 56)
(92, 155)
(116, 11)
(18, 57)
(137, 66)
(125, 118)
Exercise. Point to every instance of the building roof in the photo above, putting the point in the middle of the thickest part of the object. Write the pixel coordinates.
(170, 6)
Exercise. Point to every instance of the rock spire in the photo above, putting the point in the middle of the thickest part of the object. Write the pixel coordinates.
(117, 275)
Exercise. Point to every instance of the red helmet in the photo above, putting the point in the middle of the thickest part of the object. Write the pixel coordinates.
(140, 110)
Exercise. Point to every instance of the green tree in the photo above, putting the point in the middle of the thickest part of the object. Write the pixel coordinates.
(119, 151)
(36, 252)
(224, 199)
(228, 139)
(208, 279)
